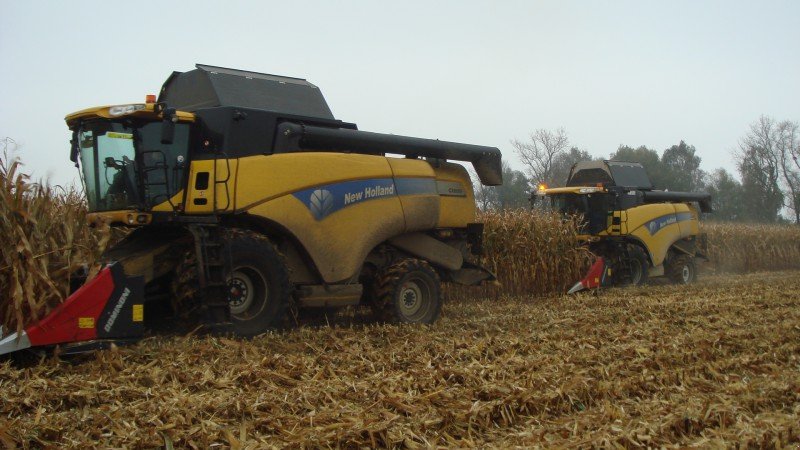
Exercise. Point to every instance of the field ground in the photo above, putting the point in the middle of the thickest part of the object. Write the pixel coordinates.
(713, 364)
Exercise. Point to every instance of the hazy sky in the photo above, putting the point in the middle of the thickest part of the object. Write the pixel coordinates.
(625, 72)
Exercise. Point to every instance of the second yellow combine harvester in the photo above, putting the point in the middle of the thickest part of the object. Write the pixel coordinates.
(636, 231)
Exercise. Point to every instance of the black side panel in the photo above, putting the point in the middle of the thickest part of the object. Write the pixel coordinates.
(238, 132)
(123, 315)
(188, 91)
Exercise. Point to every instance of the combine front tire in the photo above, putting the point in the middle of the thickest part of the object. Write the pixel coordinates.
(682, 269)
(638, 267)
(408, 292)
(258, 283)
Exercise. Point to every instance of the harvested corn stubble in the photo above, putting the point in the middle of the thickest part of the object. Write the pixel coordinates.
(713, 364)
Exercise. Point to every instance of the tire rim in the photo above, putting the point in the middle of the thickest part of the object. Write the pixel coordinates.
(245, 286)
(636, 271)
(414, 299)
(686, 274)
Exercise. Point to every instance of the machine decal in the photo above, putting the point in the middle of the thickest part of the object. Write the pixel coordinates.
(451, 189)
(138, 313)
(325, 200)
(655, 225)
(117, 309)
(415, 186)
(115, 135)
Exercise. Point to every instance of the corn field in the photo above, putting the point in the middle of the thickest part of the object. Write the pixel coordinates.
(748, 248)
(531, 252)
(44, 236)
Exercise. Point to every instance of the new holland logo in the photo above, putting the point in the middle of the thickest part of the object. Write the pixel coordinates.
(321, 203)
(655, 225)
(652, 227)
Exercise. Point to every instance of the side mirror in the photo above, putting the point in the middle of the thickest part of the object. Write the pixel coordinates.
(73, 149)
(168, 126)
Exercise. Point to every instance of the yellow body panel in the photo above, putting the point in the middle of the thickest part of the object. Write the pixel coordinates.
(420, 210)
(169, 206)
(361, 200)
(262, 178)
(370, 199)
(128, 217)
(219, 194)
(339, 243)
(673, 221)
(456, 211)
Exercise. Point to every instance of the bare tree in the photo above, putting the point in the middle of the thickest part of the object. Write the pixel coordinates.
(485, 196)
(768, 160)
(541, 152)
(787, 145)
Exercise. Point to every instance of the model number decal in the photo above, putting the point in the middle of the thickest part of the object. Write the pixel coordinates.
(117, 309)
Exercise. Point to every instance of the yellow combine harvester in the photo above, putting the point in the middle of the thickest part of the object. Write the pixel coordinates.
(246, 195)
(636, 232)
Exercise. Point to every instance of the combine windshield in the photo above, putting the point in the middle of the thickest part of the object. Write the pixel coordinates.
(591, 208)
(125, 166)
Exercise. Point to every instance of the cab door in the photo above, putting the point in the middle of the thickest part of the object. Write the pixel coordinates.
(211, 186)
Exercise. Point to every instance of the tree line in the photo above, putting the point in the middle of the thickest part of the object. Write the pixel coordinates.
(767, 188)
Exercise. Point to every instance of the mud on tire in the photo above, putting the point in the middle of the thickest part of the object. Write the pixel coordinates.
(259, 288)
(639, 267)
(408, 291)
(682, 269)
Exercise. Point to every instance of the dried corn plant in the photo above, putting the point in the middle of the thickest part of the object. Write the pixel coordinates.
(44, 237)
(752, 247)
(531, 252)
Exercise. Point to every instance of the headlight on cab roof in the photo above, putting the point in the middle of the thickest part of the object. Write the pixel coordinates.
(121, 110)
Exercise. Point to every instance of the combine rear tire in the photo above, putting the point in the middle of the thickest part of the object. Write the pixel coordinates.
(408, 292)
(682, 269)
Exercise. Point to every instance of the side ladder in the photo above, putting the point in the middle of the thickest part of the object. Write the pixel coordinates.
(211, 271)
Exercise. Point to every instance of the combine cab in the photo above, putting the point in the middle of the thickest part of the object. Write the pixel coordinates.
(636, 231)
(246, 197)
